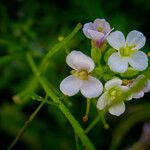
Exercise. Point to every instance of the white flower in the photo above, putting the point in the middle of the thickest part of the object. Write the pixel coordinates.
(127, 51)
(110, 98)
(80, 80)
(143, 90)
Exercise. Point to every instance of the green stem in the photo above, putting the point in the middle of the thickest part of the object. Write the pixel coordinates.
(23, 95)
(94, 122)
(85, 117)
(77, 141)
(102, 114)
(99, 117)
(58, 46)
(26, 124)
(77, 128)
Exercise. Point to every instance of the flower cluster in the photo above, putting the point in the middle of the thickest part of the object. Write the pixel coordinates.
(123, 63)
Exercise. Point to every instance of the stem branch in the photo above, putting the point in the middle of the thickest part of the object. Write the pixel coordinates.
(26, 124)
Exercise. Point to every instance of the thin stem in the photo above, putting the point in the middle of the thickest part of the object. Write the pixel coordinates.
(23, 95)
(94, 122)
(88, 102)
(58, 46)
(26, 124)
(77, 141)
(99, 117)
(76, 126)
(106, 125)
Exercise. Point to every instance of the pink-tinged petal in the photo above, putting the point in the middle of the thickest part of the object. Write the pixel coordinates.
(70, 85)
(146, 88)
(95, 35)
(117, 63)
(136, 38)
(103, 101)
(116, 40)
(91, 88)
(86, 27)
(102, 23)
(113, 82)
(78, 61)
(139, 61)
(117, 109)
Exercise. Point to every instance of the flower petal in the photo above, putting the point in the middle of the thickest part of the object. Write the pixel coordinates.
(102, 23)
(70, 85)
(102, 101)
(95, 35)
(139, 61)
(86, 27)
(116, 40)
(147, 87)
(91, 88)
(136, 38)
(117, 109)
(138, 95)
(78, 61)
(114, 82)
(117, 63)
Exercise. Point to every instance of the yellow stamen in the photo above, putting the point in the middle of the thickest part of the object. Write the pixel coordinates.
(100, 29)
(82, 74)
(127, 51)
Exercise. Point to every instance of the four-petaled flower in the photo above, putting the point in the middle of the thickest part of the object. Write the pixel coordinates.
(127, 51)
(81, 80)
(144, 89)
(97, 31)
(111, 97)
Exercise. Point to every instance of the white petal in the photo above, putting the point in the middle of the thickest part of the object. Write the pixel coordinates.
(116, 40)
(136, 38)
(138, 95)
(78, 61)
(114, 82)
(117, 63)
(102, 101)
(147, 87)
(91, 88)
(70, 85)
(95, 35)
(139, 61)
(117, 109)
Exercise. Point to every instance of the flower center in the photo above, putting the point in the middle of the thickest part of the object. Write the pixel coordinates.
(82, 74)
(100, 29)
(114, 93)
(127, 51)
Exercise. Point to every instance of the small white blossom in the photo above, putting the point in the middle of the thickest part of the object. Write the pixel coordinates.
(81, 80)
(110, 98)
(144, 89)
(127, 51)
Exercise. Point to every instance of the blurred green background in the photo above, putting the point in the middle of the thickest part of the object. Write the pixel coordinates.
(35, 26)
